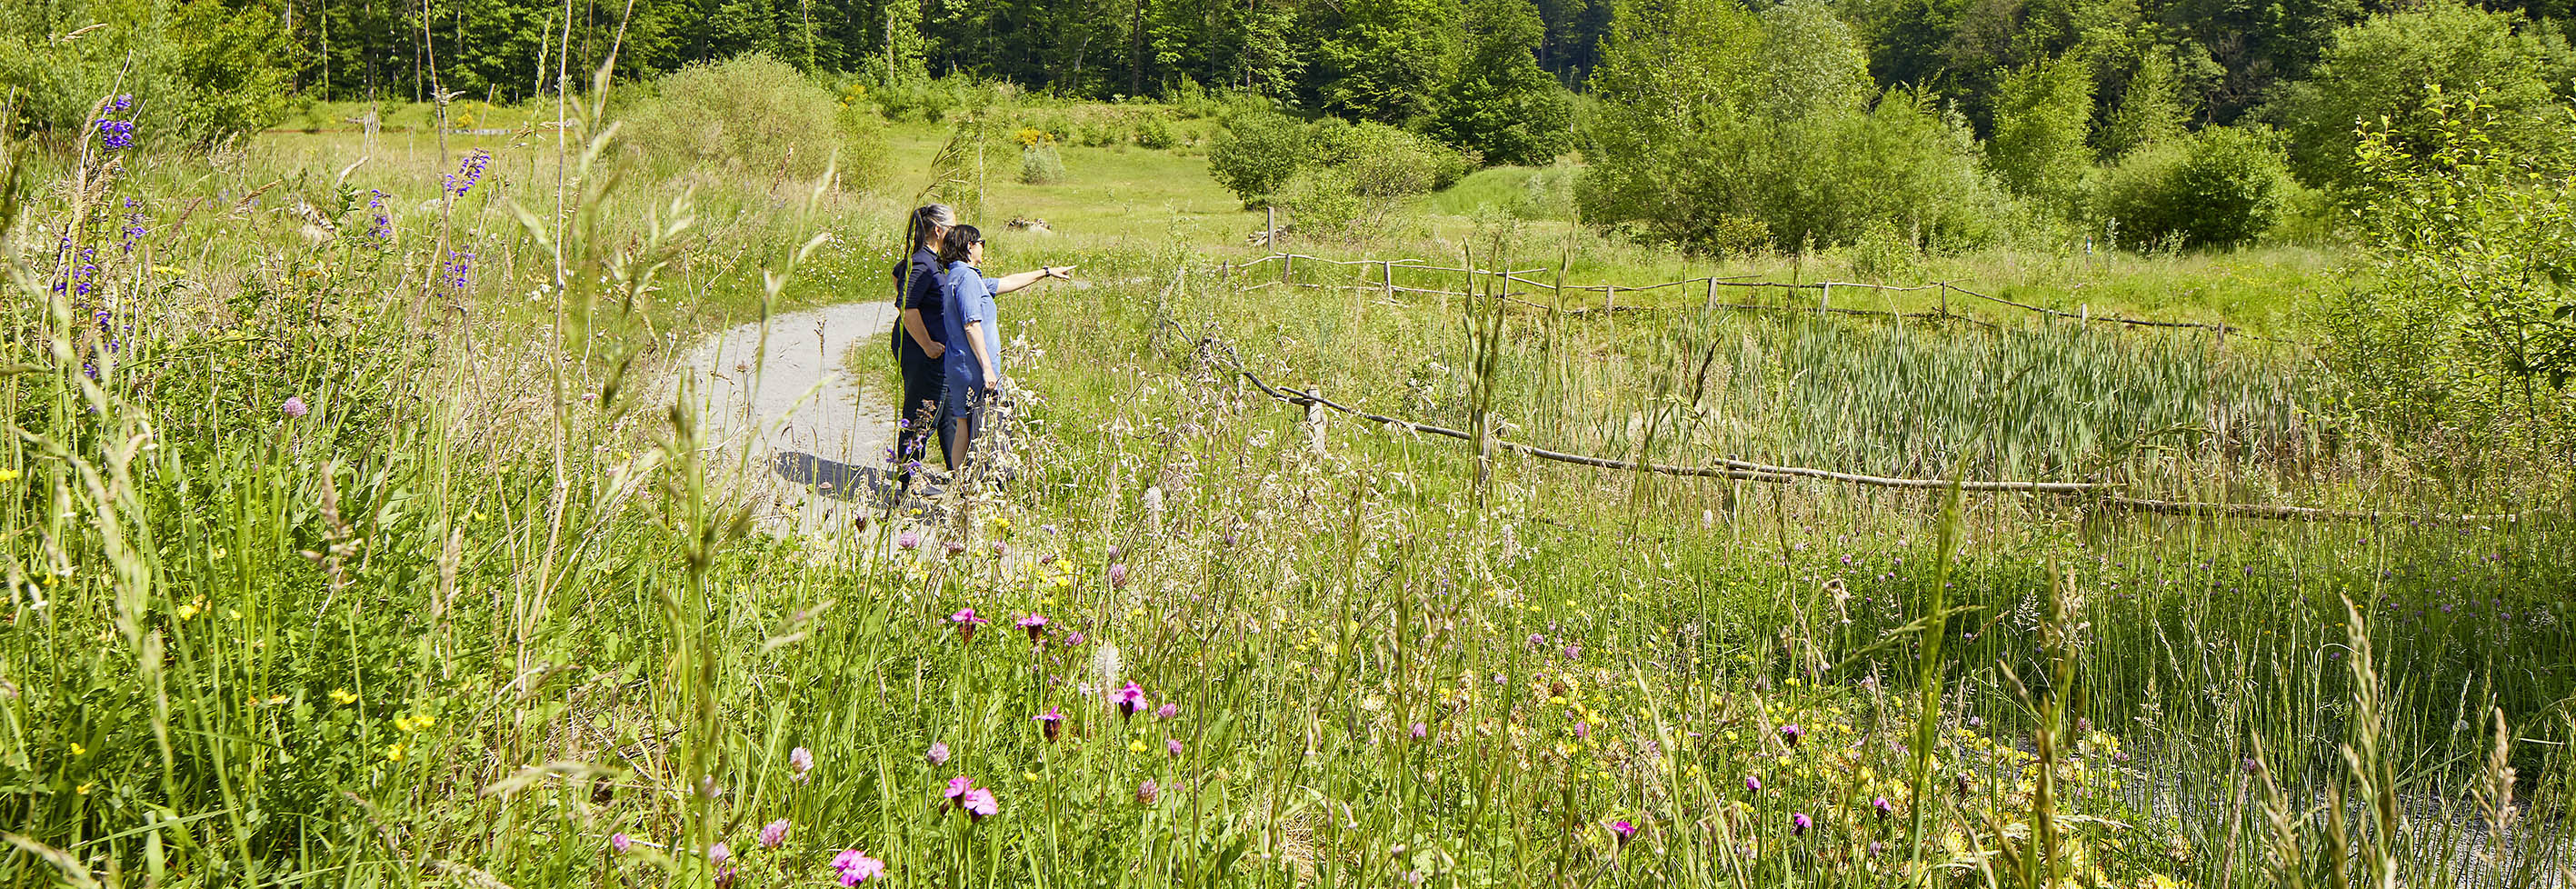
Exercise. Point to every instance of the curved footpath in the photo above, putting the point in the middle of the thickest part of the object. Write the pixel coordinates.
(817, 441)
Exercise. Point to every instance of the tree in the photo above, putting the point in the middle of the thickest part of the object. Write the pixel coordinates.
(2041, 116)
(1256, 154)
(1501, 104)
(1388, 57)
(1701, 137)
(1811, 62)
(2394, 67)
(2467, 321)
(2151, 110)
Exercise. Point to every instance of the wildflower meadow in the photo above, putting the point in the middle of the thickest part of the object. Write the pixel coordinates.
(367, 523)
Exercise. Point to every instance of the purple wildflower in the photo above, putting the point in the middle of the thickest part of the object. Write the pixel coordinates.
(1799, 822)
(773, 833)
(1623, 830)
(1167, 711)
(1129, 700)
(292, 407)
(1118, 576)
(801, 761)
(1791, 733)
(1052, 721)
(1753, 783)
(1420, 731)
(1173, 745)
(620, 841)
(1148, 792)
(938, 754)
(1035, 623)
(908, 540)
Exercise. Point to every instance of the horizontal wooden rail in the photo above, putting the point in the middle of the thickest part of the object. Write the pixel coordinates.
(2103, 493)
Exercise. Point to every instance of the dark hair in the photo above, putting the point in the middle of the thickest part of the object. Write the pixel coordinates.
(923, 220)
(953, 248)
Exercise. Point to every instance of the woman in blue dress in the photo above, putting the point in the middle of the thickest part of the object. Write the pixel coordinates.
(974, 332)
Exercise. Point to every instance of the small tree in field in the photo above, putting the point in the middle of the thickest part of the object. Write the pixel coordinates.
(1256, 154)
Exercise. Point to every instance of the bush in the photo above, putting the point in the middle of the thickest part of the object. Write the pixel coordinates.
(2221, 187)
(1256, 153)
(198, 72)
(752, 113)
(1155, 133)
(1041, 164)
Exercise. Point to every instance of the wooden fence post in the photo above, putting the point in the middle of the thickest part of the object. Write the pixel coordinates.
(1609, 298)
(1712, 292)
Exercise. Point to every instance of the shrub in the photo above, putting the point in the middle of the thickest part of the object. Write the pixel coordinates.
(1256, 153)
(1041, 164)
(2221, 187)
(1154, 132)
(751, 112)
(198, 72)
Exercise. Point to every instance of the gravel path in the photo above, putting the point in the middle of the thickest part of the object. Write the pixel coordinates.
(817, 441)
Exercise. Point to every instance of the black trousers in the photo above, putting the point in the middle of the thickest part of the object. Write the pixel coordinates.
(923, 412)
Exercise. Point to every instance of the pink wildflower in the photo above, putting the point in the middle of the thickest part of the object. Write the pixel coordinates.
(957, 788)
(1753, 783)
(966, 623)
(856, 867)
(979, 803)
(1118, 576)
(802, 761)
(1420, 731)
(1798, 823)
(1129, 700)
(938, 754)
(1173, 745)
(1035, 623)
(620, 841)
(908, 540)
(773, 833)
(1148, 792)
(1623, 830)
(293, 407)
(1791, 733)
(1167, 711)
(1052, 721)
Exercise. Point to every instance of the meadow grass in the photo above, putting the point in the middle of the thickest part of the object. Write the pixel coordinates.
(474, 611)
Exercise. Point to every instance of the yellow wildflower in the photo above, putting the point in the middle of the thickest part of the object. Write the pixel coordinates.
(342, 696)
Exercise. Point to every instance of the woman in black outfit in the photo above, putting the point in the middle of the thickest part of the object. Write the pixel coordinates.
(917, 342)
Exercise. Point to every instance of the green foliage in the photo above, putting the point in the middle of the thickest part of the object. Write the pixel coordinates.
(2393, 68)
(200, 72)
(1501, 105)
(2042, 113)
(1388, 57)
(1256, 153)
(1692, 137)
(1041, 164)
(2151, 110)
(752, 113)
(1153, 132)
(2223, 186)
(2467, 325)
(1359, 174)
